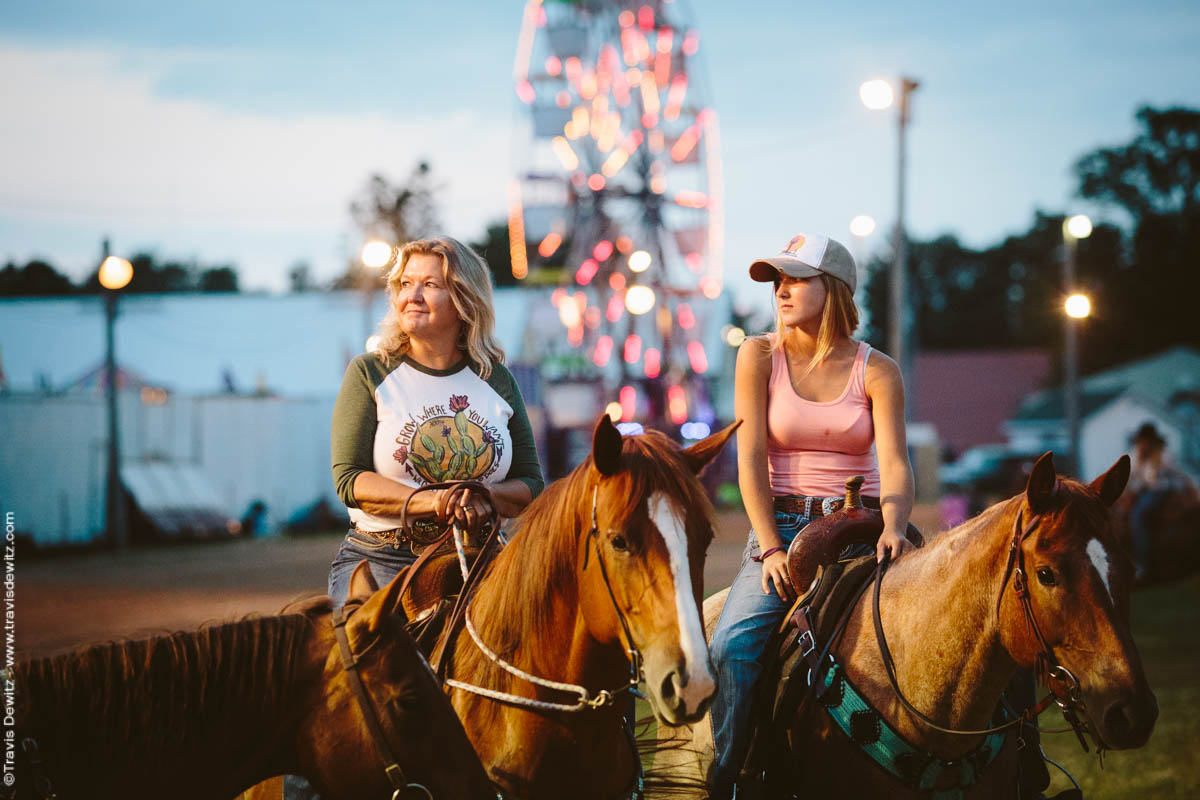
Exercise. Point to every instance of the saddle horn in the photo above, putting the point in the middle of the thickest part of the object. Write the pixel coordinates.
(819, 543)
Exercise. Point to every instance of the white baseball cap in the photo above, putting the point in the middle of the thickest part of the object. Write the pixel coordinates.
(806, 256)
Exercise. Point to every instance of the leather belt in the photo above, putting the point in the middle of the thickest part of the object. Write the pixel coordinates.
(398, 536)
(814, 506)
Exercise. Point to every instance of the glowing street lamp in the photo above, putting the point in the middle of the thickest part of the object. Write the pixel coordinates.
(878, 95)
(375, 255)
(862, 226)
(114, 274)
(1077, 307)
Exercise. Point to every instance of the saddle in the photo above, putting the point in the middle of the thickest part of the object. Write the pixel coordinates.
(796, 654)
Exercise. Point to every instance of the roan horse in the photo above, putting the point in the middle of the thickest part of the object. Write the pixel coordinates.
(608, 560)
(204, 715)
(957, 632)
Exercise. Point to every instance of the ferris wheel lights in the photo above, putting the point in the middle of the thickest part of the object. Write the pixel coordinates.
(613, 409)
(652, 362)
(603, 352)
(566, 156)
(591, 318)
(687, 319)
(628, 399)
(602, 250)
(557, 296)
(710, 287)
(694, 261)
(624, 244)
(658, 184)
(568, 315)
(675, 97)
(685, 143)
(639, 299)
(649, 120)
(616, 281)
(596, 182)
(649, 86)
(616, 304)
(587, 85)
(625, 19)
(666, 40)
(553, 66)
(562, 99)
(677, 404)
(525, 92)
(690, 199)
(575, 336)
(612, 165)
(639, 261)
(645, 18)
(633, 348)
(587, 270)
(697, 358)
(633, 76)
(573, 67)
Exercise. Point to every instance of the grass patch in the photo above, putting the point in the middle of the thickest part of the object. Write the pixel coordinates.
(1164, 627)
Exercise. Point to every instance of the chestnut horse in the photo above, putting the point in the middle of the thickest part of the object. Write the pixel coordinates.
(204, 715)
(957, 632)
(607, 561)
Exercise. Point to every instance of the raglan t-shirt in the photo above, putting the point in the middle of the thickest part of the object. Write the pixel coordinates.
(418, 425)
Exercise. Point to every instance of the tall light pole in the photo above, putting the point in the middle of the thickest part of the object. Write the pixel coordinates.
(115, 274)
(878, 95)
(1077, 307)
(375, 256)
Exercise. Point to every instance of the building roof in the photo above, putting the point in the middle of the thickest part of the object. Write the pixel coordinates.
(969, 394)
(1162, 379)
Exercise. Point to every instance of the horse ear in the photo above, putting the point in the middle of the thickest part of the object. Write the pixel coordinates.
(704, 451)
(362, 583)
(383, 604)
(1043, 483)
(1110, 485)
(606, 446)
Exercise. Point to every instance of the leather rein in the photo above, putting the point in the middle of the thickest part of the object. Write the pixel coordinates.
(1062, 685)
(395, 775)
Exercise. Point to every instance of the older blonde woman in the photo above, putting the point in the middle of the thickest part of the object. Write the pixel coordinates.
(434, 403)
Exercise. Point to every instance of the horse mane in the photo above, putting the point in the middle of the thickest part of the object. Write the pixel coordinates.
(126, 702)
(537, 568)
(1074, 507)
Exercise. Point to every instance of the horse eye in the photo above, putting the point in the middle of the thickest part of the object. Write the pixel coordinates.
(1046, 576)
(619, 543)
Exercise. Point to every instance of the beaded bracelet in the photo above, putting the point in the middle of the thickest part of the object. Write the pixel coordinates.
(770, 551)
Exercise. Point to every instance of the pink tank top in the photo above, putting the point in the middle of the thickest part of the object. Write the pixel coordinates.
(812, 448)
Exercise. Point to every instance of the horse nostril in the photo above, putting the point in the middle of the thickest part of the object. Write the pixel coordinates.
(1119, 721)
(667, 689)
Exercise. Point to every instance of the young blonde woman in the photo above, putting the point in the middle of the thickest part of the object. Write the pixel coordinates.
(817, 408)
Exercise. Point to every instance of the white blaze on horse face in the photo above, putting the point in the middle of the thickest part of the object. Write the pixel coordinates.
(1099, 557)
(700, 682)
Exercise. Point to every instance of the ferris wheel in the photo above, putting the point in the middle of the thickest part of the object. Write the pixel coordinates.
(618, 191)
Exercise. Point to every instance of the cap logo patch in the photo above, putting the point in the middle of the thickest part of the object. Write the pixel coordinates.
(808, 249)
(795, 244)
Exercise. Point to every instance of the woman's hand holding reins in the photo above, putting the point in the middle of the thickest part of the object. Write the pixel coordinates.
(775, 569)
(470, 509)
(890, 542)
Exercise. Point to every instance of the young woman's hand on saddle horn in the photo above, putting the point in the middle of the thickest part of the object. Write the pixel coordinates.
(775, 570)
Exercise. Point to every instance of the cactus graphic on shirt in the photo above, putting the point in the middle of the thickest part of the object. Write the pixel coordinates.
(450, 448)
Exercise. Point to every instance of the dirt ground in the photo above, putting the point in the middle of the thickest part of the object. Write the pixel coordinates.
(66, 600)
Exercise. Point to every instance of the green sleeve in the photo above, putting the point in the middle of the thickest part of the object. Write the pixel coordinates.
(354, 421)
(525, 466)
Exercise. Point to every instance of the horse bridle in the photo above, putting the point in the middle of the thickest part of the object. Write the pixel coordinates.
(395, 774)
(1061, 683)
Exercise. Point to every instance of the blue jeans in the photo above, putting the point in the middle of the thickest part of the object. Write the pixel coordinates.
(1148, 502)
(737, 648)
(386, 561)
